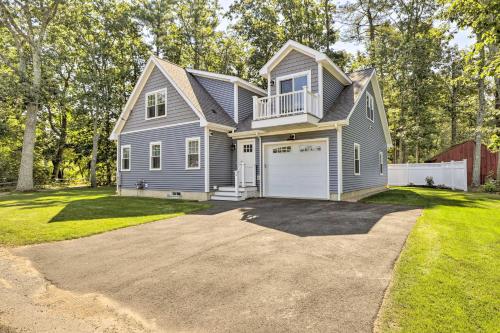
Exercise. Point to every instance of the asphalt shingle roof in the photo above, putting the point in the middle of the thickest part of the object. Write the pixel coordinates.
(196, 94)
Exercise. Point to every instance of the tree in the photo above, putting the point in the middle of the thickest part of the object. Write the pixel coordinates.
(28, 23)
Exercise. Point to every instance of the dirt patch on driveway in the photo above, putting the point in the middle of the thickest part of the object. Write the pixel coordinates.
(32, 304)
(261, 265)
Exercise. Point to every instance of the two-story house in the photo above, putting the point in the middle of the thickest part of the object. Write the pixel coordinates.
(316, 133)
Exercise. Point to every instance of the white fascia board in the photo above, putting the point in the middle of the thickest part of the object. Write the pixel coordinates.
(132, 99)
(317, 127)
(333, 69)
(217, 127)
(228, 78)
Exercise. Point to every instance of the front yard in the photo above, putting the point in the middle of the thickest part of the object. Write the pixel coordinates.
(448, 276)
(29, 218)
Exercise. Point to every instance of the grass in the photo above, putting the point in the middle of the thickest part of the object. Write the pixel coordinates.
(447, 278)
(29, 218)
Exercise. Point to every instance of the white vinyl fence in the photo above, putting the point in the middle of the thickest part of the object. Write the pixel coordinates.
(451, 174)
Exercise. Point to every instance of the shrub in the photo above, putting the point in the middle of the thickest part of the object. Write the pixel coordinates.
(430, 181)
(490, 185)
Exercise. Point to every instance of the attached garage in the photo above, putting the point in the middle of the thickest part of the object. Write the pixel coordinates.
(296, 169)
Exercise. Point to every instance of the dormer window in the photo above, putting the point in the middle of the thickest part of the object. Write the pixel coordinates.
(156, 102)
(294, 82)
(370, 113)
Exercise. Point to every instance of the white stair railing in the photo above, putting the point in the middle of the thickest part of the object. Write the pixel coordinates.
(288, 104)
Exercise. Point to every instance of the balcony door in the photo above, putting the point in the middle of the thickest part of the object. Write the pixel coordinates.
(289, 88)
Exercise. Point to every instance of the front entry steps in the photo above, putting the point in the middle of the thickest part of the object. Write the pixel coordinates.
(227, 193)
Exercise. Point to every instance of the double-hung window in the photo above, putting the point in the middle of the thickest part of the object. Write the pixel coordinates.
(125, 158)
(381, 162)
(370, 108)
(193, 153)
(357, 159)
(155, 156)
(156, 102)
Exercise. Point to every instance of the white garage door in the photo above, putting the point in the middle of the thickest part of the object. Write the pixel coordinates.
(296, 170)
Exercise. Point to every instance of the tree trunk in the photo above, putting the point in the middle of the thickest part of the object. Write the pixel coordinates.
(476, 169)
(93, 162)
(25, 176)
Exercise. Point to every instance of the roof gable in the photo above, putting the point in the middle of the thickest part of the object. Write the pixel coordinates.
(319, 57)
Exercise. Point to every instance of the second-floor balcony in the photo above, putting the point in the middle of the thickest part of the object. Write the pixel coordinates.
(294, 107)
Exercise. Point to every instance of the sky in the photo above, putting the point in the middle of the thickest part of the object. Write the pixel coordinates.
(462, 38)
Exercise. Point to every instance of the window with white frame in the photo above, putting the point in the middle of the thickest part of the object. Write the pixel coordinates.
(381, 162)
(155, 156)
(357, 160)
(193, 153)
(370, 107)
(156, 104)
(125, 158)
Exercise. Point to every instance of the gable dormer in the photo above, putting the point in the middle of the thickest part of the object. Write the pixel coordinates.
(302, 83)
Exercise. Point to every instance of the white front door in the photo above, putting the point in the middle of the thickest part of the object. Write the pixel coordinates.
(246, 154)
(296, 169)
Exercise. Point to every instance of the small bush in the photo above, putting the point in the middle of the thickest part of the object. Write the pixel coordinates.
(430, 181)
(490, 185)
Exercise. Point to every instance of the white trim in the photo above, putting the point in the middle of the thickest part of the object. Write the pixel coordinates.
(260, 167)
(340, 175)
(318, 57)
(139, 85)
(198, 112)
(370, 103)
(235, 100)
(218, 127)
(195, 138)
(151, 144)
(315, 127)
(354, 159)
(380, 107)
(207, 159)
(118, 165)
(292, 76)
(129, 157)
(164, 90)
(242, 142)
(158, 127)
(381, 162)
(301, 118)
(228, 78)
(269, 84)
(320, 88)
(325, 139)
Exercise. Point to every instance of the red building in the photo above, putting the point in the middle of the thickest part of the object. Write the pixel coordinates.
(465, 150)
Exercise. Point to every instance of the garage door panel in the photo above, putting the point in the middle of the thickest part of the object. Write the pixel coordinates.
(297, 170)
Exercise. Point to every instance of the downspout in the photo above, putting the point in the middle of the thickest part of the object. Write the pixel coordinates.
(260, 166)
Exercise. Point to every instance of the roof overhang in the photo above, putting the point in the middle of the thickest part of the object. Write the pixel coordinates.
(271, 131)
(228, 78)
(319, 57)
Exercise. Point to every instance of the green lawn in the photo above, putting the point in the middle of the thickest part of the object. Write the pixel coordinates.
(448, 276)
(44, 216)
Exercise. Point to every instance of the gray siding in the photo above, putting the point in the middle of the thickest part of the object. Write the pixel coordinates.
(331, 90)
(221, 91)
(245, 103)
(221, 159)
(173, 175)
(295, 62)
(332, 138)
(370, 136)
(178, 111)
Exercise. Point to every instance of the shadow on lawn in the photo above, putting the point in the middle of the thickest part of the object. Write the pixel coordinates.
(109, 207)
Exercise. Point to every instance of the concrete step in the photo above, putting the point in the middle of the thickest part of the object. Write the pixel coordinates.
(241, 189)
(223, 198)
(227, 194)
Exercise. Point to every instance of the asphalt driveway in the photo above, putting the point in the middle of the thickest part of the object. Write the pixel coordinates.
(255, 266)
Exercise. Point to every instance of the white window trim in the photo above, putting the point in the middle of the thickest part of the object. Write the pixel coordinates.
(164, 90)
(151, 155)
(381, 162)
(129, 157)
(370, 101)
(354, 164)
(291, 76)
(197, 138)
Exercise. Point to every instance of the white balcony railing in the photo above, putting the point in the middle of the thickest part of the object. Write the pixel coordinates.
(288, 104)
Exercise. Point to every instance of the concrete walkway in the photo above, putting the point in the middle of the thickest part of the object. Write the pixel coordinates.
(264, 265)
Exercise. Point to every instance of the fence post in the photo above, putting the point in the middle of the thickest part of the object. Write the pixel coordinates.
(408, 173)
(465, 174)
(452, 164)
